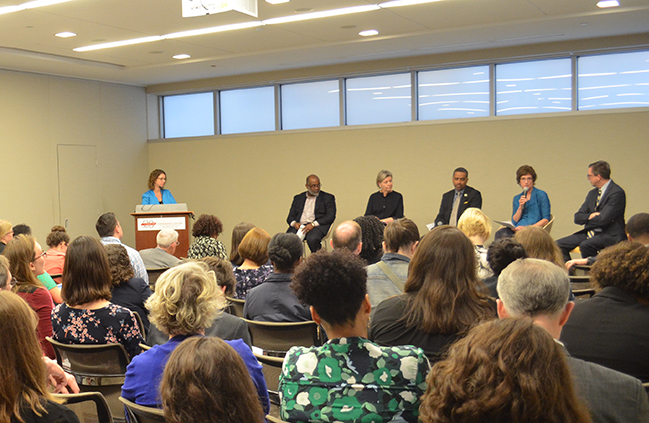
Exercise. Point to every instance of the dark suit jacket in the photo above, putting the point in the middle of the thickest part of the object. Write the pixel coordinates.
(611, 396)
(471, 198)
(611, 208)
(325, 209)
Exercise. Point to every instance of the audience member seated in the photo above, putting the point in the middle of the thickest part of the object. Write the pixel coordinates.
(273, 300)
(239, 231)
(539, 244)
(612, 327)
(347, 235)
(388, 277)
(217, 378)
(225, 326)
(22, 229)
(507, 370)
(185, 302)
(205, 231)
(349, 378)
(477, 226)
(539, 290)
(25, 263)
(443, 297)
(254, 270)
(7, 281)
(110, 231)
(6, 234)
(58, 241)
(127, 290)
(372, 237)
(88, 316)
(500, 254)
(162, 256)
(26, 395)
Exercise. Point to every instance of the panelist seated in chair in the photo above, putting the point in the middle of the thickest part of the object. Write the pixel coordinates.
(186, 301)
(273, 300)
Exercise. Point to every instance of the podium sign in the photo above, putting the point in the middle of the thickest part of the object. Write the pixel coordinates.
(159, 223)
(149, 223)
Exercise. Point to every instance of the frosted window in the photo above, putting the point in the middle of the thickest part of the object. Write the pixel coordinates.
(310, 105)
(248, 110)
(454, 93)
(379, 99)
(613, 81)
(534, 87)
(188, 115)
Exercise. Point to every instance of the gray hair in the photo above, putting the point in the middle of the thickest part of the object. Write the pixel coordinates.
(166, 237)
(382, 175)
(533, 287)
(4, 271)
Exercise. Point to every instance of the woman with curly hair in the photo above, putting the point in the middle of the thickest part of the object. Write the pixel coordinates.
(58, 241)
(156, 193)
(442, 297)
(504, 371)
(372, 235)
(254, 270)
(185, 302)
(612, 327)
(217, 379)
(206, 230)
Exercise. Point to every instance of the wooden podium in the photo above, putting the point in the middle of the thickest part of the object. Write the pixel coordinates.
(148, 224)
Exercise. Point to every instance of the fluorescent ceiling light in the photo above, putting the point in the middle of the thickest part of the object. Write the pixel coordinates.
(211, 30)
(277, 1)
(65, 34)
(608, 3)
(30, 5)
(398, 3)
(181, 56)
(119, 43)
(368, 33)
(323, 14)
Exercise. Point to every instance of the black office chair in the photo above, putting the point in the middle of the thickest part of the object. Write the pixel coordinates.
(90, 407)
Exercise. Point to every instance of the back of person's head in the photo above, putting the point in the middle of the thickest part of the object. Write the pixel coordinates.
(254, 246)
(334, 284)
(502, 252)
(284, 251)
(443, 284)
(474, 222)
(504, 371)
(223, 271)
(207, 225)
(121, 269)
(239, 231)
(638, 226)
(601, 168)
(166, 237)
(20, 252)
(539, 244)
(186, 299)
(4, 272)
(57, 235)
(400, 233)
(372, 235)
(625, 266)
(106, 224)
(533, 287)
(5, 228)
(205, 380)
(347, 235)
(86, 273)
(22, 229)
(22, 371)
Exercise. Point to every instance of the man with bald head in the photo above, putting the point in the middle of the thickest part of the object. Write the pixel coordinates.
(312, 213)
(348, 235)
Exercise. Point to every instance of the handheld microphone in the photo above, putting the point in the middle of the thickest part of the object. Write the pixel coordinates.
(524, 195)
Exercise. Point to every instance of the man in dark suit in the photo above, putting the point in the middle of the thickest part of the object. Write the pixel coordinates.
(602, 215)
(463, 195)
(539, 290)
(312, 213)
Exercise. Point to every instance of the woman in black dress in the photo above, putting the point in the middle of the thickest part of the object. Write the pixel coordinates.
(385, 204)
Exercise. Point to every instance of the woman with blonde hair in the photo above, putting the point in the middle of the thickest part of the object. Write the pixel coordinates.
(539, 244)
(254, 270)
(216, 377)
(477, 226)
(6, 234)
(385, 204)
(24, 389)
(504, 371)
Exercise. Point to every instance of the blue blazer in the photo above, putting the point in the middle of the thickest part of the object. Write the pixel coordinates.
(150, 198)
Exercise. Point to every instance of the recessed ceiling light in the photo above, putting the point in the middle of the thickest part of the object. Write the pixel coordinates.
(65, 34)
(608, 3)
(182, 56)
(368, 33)
(277, 1)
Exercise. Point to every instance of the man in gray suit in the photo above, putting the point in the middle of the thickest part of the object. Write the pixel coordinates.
(162, 256)
(540, 290)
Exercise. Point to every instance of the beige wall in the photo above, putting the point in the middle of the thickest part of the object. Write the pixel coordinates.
(39, 112)
(253, 177)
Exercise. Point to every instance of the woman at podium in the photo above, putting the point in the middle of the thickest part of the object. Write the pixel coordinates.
(156, 193)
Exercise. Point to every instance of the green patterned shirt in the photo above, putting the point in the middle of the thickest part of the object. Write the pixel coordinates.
(352, 380)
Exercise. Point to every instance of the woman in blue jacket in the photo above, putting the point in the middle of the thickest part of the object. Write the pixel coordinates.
(156, 193)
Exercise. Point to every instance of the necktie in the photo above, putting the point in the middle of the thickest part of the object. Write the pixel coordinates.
(456, 205)
(599, 195)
